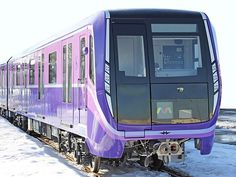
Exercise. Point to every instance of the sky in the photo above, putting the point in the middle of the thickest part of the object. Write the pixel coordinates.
(24, 23)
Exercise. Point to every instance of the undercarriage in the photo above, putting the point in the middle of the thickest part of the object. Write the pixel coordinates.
(148, 153)
(154, 153)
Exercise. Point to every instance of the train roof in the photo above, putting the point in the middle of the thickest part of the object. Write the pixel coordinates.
(154, 13)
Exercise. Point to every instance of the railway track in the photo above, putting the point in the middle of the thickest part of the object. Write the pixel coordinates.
(67, 156)
(173, 172)
(165, 169)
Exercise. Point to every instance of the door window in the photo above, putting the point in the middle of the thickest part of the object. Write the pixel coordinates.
(41, 77)
(131, 56)
(31, 71)
(25, 69)
(67, 73)
(52, 67)
(91, 58)
(18, 74)
(82, 60)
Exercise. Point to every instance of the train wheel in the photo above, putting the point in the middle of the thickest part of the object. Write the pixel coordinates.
(95, 163)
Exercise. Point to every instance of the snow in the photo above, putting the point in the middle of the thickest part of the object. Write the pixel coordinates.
(22, 155)
(227, 121)
(220, 163)
(226, 124)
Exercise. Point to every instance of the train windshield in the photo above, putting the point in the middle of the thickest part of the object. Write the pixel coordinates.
(162, 73)
(176, 55)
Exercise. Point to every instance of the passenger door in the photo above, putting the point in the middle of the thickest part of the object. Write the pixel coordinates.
(67, 89)
(25, 85)
(41, 97)
(82, 80)
(133, 87)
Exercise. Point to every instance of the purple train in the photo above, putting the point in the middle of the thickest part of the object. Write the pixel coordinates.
(122, 84)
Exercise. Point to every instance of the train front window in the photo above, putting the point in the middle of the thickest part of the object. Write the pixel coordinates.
(176, 56)
(176, 49)
(131, 55)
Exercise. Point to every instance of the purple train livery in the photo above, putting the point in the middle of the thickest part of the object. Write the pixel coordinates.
(122, 84)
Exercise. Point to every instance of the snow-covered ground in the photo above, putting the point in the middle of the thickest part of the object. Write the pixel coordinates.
(227, 121)
(22, 155)
(220, 163)
(226, 124)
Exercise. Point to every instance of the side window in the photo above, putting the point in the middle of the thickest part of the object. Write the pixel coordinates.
(91, 58)
(52, 67)
(64, 72)
(2, 74)
(82, 60)
(67, 73)
(40, 77)
(31, 71)
(24, 74)
(1, 79)
(13, 74)
(18, 74)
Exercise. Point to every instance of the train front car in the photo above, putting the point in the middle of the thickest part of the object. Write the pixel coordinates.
(161, 82)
